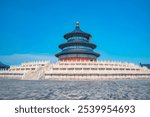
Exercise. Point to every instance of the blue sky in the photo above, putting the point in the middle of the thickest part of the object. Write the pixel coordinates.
(33, 29)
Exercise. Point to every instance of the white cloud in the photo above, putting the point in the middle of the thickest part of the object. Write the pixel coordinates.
(16, 59)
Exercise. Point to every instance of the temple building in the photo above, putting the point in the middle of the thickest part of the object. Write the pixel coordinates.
(77, 47)
(77, 61)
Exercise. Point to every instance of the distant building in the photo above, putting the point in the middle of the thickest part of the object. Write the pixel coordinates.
(146, 65)
(3, 66)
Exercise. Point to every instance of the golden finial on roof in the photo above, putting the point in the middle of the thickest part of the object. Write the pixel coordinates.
(77, 24)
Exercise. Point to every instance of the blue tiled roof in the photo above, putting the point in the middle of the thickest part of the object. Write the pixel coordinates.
(77, 32)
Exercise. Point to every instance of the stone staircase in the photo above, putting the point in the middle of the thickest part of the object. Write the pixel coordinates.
(39, 74)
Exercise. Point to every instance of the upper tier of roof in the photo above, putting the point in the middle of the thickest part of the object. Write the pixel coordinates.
(77, 32)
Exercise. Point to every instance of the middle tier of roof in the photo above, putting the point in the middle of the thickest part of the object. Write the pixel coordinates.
(61, 46)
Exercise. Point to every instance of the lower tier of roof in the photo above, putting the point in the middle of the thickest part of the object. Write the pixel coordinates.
(77, 52)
